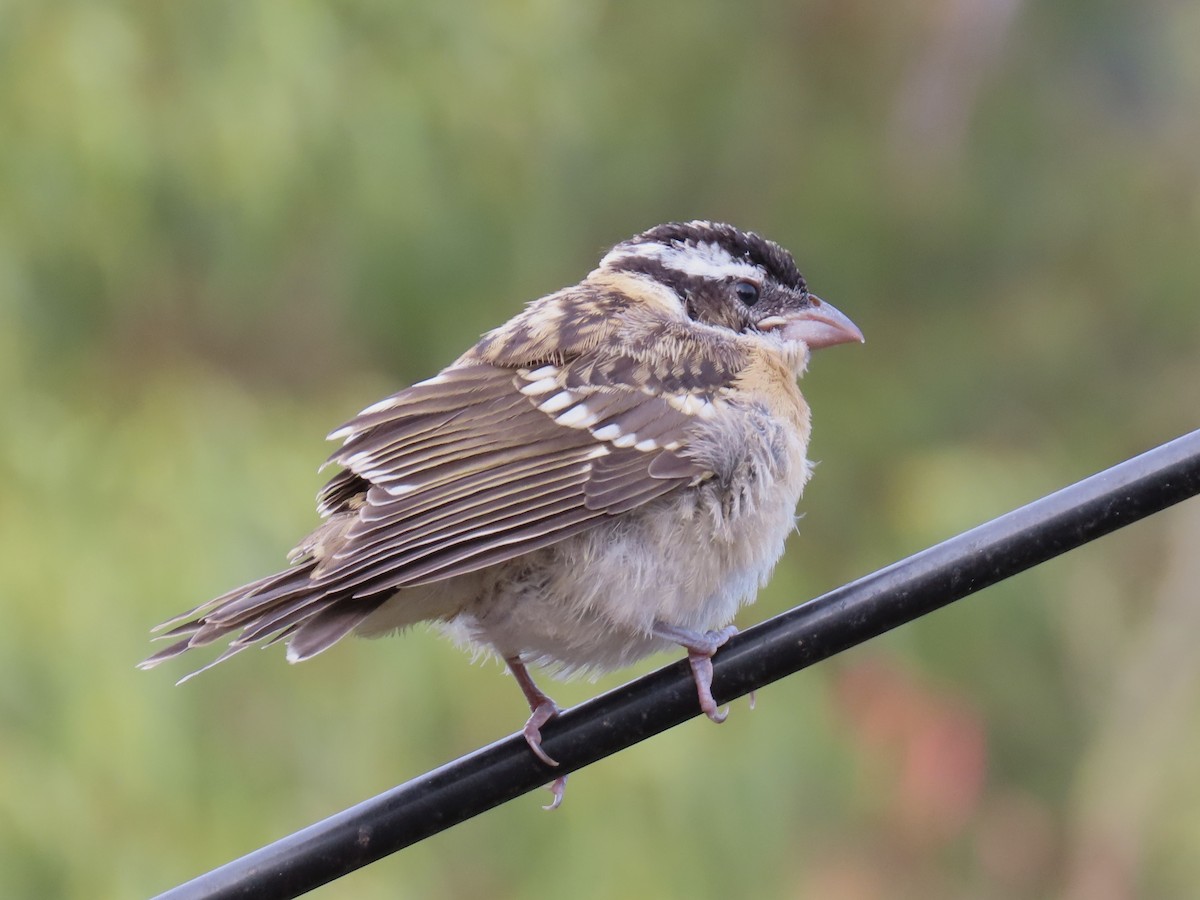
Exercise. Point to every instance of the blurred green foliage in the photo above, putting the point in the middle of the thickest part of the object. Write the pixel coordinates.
(226, 226)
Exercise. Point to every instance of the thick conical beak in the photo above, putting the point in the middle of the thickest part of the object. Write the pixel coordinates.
(821, 325)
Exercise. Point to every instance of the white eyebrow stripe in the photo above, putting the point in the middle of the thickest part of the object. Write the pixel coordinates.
(706, 260)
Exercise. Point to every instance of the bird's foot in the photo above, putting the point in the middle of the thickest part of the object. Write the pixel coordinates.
(700, 647)
(545, 710)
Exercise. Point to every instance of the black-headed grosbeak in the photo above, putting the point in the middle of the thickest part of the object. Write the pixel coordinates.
(610, 473)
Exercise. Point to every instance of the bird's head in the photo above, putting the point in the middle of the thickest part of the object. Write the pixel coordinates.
(727, 278)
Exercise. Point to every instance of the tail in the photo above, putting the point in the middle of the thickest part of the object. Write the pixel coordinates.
(289, 605)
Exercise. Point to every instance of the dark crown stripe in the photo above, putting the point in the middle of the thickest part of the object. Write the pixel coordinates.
(680, 282)
(745, 245)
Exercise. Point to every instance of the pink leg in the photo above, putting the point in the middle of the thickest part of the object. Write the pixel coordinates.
(543, 709)
(700, 647)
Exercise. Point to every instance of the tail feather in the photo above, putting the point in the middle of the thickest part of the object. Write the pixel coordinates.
(234, 647)
(163, 655)
(329, 626)
(244, 607)
(293, 614)
(285, 606)
(283, 635)
(197, 613)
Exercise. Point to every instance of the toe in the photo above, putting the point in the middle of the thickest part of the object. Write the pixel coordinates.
(557, 787)
(533, 730)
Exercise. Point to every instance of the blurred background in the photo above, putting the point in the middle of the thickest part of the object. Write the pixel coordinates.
(225, 227)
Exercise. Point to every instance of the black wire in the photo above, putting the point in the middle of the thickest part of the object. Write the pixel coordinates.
(765, 653)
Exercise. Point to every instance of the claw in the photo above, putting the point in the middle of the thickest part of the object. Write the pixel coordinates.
(546, 710)
(556, 787)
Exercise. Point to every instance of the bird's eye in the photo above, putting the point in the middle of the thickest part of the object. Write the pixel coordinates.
(747, 292)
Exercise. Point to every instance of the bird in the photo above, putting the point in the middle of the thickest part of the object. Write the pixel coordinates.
(611, 473)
